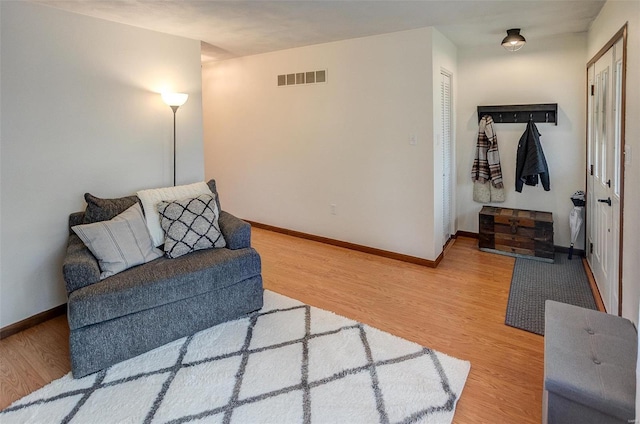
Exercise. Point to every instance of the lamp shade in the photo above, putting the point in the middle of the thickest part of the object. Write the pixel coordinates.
(513, 41)
(175, 99)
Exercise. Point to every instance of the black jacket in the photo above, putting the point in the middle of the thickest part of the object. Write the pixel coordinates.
(530, 161)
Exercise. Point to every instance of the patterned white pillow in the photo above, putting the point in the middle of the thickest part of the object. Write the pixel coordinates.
(189, 225)
(151, 197)
(119, 243)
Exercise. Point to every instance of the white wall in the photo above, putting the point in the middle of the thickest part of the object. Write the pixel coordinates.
(543, 71)
(282, 155)
(81, 113)
(0, 154)
(612, 17)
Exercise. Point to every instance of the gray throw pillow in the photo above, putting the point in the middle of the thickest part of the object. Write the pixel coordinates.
(99, 209)
(212, 186)
(189, 225)
(119, 243)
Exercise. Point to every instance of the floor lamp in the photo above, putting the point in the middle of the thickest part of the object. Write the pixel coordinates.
(174, 100)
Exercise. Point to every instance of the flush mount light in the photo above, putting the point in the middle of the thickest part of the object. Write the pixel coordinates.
(513, 41)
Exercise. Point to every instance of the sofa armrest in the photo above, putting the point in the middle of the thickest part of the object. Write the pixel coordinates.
(75, 218)
(80, 268)
(236, 232)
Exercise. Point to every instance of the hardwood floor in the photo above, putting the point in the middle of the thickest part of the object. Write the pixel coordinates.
(32, 358)
(457, 308)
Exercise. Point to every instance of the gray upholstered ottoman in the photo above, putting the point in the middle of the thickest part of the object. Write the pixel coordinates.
(589, 366)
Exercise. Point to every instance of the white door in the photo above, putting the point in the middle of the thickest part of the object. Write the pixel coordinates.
(604, 174)
(447, 189)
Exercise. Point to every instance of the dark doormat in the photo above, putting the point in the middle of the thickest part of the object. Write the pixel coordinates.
(533, 282)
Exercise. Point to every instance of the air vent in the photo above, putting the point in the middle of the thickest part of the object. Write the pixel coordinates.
(300, 78)
(311, 77)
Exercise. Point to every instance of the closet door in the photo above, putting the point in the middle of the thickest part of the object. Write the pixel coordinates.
(445, 130)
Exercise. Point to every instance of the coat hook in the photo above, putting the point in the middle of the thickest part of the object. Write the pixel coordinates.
(515, 117)
(546, 117)
(500, 117)
(531, 116)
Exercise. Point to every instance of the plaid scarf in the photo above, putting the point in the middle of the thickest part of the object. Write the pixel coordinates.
(486, 165)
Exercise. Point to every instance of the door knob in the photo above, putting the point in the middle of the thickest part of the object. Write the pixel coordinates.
(607, 201)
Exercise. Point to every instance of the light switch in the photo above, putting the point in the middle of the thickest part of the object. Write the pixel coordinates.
(413, 139)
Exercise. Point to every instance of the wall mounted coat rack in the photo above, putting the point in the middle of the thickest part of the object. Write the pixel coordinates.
(509, 114)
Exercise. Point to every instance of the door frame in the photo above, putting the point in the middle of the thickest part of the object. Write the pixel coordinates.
(621, 34)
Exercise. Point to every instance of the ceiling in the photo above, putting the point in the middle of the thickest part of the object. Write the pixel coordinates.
(239, 28)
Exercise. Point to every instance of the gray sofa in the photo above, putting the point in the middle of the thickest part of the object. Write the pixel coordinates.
(589, 366)
(149, 305)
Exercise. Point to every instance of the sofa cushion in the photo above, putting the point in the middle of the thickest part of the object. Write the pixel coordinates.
(590, 358)
(120, 243)
(96, 347)
(190, 225)
(151, 197)
(160, 282)
(99, 209)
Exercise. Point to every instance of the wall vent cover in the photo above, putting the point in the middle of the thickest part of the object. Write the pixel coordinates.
(300, 78)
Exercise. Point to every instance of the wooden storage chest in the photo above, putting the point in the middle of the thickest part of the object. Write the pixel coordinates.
(517, 232)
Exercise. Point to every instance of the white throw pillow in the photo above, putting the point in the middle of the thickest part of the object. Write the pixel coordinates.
(151, 197)
(119, 243)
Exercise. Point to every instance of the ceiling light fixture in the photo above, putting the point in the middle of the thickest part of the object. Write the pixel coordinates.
(513, 41)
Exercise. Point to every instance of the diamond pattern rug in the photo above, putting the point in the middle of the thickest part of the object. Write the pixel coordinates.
(287, 363)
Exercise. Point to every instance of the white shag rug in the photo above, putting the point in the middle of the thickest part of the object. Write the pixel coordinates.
(287, 363)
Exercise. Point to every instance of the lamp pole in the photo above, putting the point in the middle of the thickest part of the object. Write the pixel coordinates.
(174, 101)
(175, 109)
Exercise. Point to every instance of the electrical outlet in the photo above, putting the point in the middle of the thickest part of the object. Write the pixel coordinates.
(332, 207)
(413, 139)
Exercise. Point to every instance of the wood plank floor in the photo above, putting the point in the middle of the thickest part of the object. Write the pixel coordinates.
(457, 308)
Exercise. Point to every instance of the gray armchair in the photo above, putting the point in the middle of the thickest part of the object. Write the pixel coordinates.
(149, 305)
